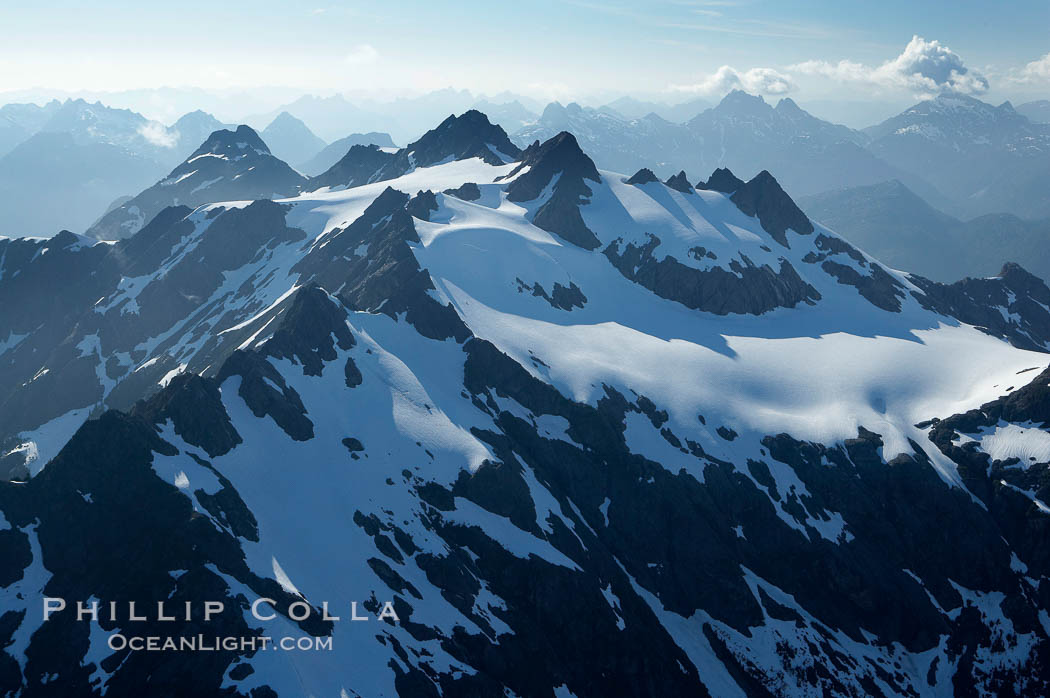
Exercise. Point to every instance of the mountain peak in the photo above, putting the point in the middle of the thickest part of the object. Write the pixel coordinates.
(740, 100)
(722, 180)
(229, 166)
(562, 153)
(763, 197)
(552, 111)
(198, 116)
(1015, 275)
(561, 161)
(643, 176)
(788, 106)
(680, 182)
(241, 138)
(285, 120)
(292, 140)
(460, 137)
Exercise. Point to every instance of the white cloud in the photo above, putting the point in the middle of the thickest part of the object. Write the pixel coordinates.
(756, 80)
(362, 54)
(1038, 71)
(159, 135)
(924, 67)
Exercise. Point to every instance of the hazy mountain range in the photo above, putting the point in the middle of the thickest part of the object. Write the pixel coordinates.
(957, 154)
(894, 224)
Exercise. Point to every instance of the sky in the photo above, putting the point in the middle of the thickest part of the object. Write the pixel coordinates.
(835, 54)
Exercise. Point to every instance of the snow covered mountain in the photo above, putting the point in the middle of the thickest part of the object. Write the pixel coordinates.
(742, 133)
(228, 165)
(88, 154)
(469, 135)
(291, 140)
(990, 159)
(587, 434)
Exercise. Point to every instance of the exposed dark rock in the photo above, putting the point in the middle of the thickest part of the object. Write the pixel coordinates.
(469, 135)
(1012, 305)
(80, 506)
(309, 331)
(680, 182)
(560, 296)
(195, 408)
(466, 192)
(722, 180)
(559, 157)
(387, 279)
(229, 166)
(726, 433)
(264, 391)
(763, 197)
(879, 287)
(420, 205)
(643, 176)
(361, 164)
(352, 373)
(744, 288)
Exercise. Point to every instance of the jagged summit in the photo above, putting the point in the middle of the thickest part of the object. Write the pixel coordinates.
(558, 160)
(470, 135)
(229, 165)
(461, 137)
(1025, 284)
(721, 180)
(742, 102)
(680, 182)
(361, 164)
(763, 197)
(242, 138)
(560, 154)
(789, 107)
(643, 176)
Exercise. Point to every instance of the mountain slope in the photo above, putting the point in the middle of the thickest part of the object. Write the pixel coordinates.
(742, 132)
(437, 391)
(469, 135)
(334, 152)
(1037, 111)
(988, 159)
(895, 225)
(89, 154)
(193, 128)
(88, 175)
(20, 121)
(228, 165)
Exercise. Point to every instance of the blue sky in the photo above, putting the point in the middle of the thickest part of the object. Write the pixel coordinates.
(668, 49)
